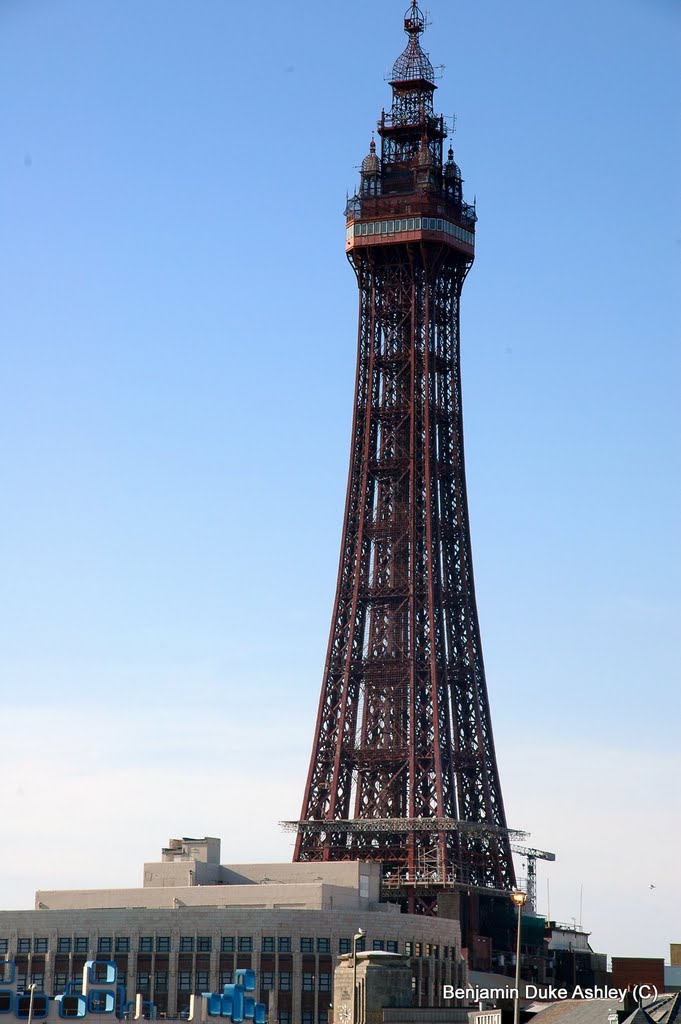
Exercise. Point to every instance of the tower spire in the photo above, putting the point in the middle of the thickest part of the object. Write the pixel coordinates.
(413, 63)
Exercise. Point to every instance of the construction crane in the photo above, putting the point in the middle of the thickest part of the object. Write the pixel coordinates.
(532, 856)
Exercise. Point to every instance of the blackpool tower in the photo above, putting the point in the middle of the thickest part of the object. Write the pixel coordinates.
(403, 768)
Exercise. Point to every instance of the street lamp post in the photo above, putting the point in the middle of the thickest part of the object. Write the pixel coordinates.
(359, 934)
(519, 899)
(31, 989)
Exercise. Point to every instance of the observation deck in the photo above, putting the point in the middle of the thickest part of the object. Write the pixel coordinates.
(364, 233)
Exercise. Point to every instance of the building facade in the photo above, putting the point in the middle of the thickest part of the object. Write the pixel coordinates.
(195, 922)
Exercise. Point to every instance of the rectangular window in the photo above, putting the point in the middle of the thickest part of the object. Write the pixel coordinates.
(162, 943)
(404, 225)
(323, 945)
(417, 223)
(284, 944)
(371, 229)
(146, 944)
(4, 945)
(227, 944)
(267, 981)
(63, 945)
(436, 952)
(22, 979)
(81, 944)
(60, 981)
(378, 944)
(358, 229)
(161, 981)
(104, 945)
(323, 1017)
(361, 945)
(38, 979)
(391, 946)
(76, 986)
(245, 944)
(40, 945)
(307, 1017)
(417, 949)
(308, 982)
(204, 944)
(306, 945)
(439, 225)
(284, 1017)
(410, 224)
(284, 981)
(202, 981)
(268, 943)
(186, 944)
(324, 982)
(344, 945)
(184, 981)
(384, 227)
(123, 944)
(391, 226)
(143, 981)
(409, 948)
(24, 946)
(225, 978)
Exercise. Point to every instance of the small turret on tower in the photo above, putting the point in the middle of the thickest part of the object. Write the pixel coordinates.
(371, 172)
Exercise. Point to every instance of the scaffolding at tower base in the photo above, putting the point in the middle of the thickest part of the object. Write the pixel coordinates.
(382, 825)
(430, 874)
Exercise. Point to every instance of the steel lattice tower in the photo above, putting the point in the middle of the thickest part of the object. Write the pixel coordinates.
(403, 768)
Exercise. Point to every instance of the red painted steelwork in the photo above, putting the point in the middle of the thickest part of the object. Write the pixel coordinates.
(404, 730)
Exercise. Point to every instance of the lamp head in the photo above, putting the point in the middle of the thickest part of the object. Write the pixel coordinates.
(519, 898)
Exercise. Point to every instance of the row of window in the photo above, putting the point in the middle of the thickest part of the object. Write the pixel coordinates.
(306, 1017)
(228, 944)
(393, 227)
(187, 981)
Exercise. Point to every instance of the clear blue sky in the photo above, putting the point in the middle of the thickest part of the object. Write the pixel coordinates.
(177, 348)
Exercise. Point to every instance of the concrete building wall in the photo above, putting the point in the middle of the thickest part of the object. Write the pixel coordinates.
(312, 896)
(376, 981)
(168, 953)
(185, 871)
